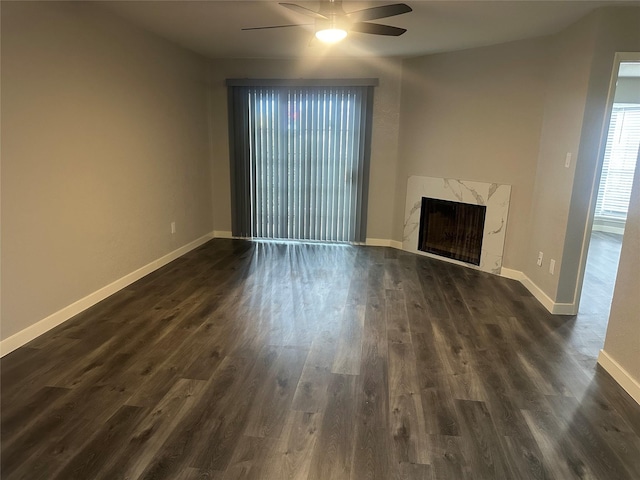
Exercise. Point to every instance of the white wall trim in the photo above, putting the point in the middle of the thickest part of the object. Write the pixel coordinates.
(21, 338)
(369, 242)
(512, 274)
(396, 244)
(543, 298)
(383, 242)
(620, 375)
(536, 291)
(565, 309)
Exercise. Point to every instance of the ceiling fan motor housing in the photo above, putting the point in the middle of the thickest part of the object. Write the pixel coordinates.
(336, 17)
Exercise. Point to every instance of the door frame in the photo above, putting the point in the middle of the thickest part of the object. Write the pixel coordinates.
(620, 57)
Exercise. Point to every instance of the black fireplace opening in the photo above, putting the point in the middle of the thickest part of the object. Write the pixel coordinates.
(452, 229)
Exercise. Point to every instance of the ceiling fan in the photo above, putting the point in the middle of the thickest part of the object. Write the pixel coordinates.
(332, 22)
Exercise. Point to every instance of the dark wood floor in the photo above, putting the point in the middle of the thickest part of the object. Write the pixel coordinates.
(284, 361)
(590, 327)
(600, 275)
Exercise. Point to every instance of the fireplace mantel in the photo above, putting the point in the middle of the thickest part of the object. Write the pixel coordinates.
(494, 196)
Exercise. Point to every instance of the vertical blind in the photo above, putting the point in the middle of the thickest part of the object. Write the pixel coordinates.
(300, 161)
(621, 153)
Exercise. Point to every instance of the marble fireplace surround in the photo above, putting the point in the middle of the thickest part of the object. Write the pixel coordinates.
(493, 195)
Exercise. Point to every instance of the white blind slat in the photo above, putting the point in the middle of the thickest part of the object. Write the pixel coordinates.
(306, 156)
(621, 153)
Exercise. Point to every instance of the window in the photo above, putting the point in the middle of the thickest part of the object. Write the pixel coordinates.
(621, 153)
(299, 157)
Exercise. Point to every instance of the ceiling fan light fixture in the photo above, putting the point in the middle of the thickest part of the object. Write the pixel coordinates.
(331, 35)
(332, 23)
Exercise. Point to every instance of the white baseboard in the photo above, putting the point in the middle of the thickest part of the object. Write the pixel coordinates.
(543, 298)
(536, 291)
(620, 375)
(21, 338)
(565, 309)
(370, 242)
(383, 242)
(512, 274)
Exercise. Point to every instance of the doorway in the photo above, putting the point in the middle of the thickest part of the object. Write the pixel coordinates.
(614, 190)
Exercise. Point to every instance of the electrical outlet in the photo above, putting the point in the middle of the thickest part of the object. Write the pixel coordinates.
(567, 160)
(173, 227)
(539, 261)
(552, 266)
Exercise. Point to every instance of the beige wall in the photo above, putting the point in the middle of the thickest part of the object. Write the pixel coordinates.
(510, 113)
(476, 115)
(384, 146)
(622, 342)
(104, 143)
(616, 30)
(564, 104)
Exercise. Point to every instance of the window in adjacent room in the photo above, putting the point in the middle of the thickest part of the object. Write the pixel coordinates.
(621, 153)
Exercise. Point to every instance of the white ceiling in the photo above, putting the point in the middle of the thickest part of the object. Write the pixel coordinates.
(213, 28)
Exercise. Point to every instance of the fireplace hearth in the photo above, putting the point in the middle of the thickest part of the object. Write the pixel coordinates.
(451, 229)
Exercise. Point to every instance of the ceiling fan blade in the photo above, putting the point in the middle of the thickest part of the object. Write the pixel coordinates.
(277, 26)
(304, 11)
(377, 29)
(375, 13)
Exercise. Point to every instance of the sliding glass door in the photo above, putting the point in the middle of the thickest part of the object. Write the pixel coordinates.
(300, 162)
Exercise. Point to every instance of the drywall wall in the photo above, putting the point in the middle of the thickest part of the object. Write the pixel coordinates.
(616, 30)
(574, 118)
(622, 342)
(104, 143)
(476, 115)
(384, 147)
(572, 52)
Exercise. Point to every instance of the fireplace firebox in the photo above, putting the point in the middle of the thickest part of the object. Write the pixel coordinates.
(451, 229)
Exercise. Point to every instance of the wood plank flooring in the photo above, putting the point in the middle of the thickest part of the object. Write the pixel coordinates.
(258, 360)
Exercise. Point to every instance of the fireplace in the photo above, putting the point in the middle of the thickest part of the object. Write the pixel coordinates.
(479, 244)
(451, 229)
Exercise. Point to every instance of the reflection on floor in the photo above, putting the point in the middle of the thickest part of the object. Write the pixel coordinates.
(600, 275)
(266, 361)
(597, 291)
